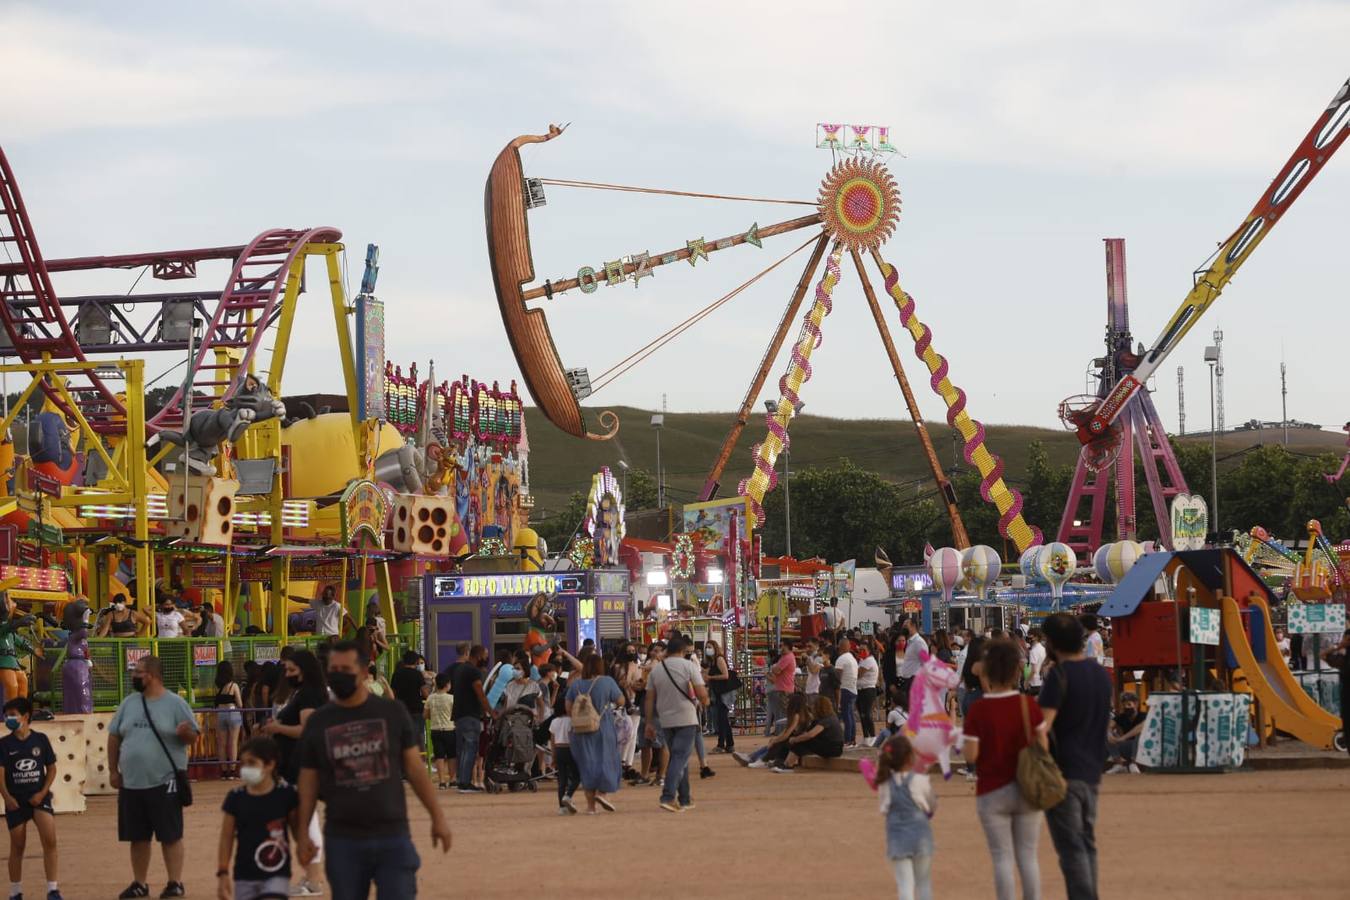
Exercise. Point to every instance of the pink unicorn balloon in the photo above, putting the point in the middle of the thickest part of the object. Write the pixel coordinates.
(930, 730)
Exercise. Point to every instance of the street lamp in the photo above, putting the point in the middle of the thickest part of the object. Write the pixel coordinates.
(623, 467)
(658, 422)
(1212, 358)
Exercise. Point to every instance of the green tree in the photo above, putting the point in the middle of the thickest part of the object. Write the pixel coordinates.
(558, 527)
(1045, 490)
(840, 512)
(641, 490)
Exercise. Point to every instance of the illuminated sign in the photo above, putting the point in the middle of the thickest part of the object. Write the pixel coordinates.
(854, 138)
(586, 619)
(521, 585)
(364, 508)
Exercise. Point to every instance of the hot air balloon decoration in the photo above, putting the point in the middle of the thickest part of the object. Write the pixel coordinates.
(1027, 563)
(1056, 564)
(981, 566)
(945, 568)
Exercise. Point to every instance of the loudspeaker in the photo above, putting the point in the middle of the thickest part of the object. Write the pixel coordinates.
(424, 525)
(204, 513)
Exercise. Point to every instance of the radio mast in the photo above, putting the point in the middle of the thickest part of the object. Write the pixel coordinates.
(1181, 400)
(1284, 404)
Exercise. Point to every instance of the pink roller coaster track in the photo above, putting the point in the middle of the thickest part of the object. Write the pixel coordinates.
(38, 329)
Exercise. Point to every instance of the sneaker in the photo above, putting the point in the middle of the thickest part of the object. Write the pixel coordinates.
(1134, 769)
(671, 806)
(305, 888)
(757, 764)
(568, 804)
(781, 769)
(721, 750)
(706, 772)
(471, 789)
(173, 889)
(53, 894)
(135, 889)
(1117, 770)
(742, 758)
(604, 803)
(564, 811)
(686, 806)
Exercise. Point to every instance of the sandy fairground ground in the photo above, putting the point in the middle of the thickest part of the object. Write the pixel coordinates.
(760, 834)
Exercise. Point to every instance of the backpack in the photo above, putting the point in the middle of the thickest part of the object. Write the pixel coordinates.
(1041, 782)
(585, 717)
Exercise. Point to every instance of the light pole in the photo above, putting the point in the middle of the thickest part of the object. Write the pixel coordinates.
(1212, 358)
(623, 467)
(658, 422)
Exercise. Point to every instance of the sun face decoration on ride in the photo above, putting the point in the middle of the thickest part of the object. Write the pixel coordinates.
(860, 203)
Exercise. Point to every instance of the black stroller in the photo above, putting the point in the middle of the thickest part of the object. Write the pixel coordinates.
(510, 756)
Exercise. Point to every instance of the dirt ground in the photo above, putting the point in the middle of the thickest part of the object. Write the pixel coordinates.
(759, 834)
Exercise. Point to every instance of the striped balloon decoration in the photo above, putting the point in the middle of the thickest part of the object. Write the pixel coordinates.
(945, 568)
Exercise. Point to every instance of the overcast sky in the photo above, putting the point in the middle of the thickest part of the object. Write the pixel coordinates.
(1029, 132)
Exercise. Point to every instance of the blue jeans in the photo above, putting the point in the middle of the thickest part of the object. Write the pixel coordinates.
(1072, 828)
(352, 864)
(680, 740)
(848, 707)
(467, 732)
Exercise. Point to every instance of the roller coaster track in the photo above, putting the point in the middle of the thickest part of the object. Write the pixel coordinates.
(251, 302)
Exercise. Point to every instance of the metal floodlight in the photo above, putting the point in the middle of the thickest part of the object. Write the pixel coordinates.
(579, 380)
(771, 406)
(623, 465)
(658, 420)
(95, 325)
(1212, 354)
(534, 193)
(715, 576)
(657, 578)
(177, 320)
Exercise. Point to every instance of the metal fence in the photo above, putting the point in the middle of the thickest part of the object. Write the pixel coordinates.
(190, 663)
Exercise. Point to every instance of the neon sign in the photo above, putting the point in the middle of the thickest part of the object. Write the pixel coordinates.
(854, 138)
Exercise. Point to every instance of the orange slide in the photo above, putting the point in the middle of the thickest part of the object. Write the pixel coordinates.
(1282, 698)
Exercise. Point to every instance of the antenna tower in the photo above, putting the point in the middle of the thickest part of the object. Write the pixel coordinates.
(1284, 404)
(1181, 400)
(1218, 382)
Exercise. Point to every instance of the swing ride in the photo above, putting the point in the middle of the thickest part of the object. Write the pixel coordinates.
(856, 212)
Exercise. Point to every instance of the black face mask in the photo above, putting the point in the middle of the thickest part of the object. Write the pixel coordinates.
(293, 680)
(342, 683)
(137, 683)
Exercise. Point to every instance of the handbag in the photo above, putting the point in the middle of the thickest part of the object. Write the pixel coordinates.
(1040, 780)
(181, 784)
(684, 691)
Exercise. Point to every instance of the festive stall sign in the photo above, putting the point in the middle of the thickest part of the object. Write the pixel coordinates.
(709, 523)
(135, 655)
(204, 655)
(364, 509)
(372, 392)
(1316, 618)
(1204, 626)
(854, 138)
(1190, 522)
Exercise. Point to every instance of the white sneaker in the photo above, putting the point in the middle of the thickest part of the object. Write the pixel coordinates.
(742, 758)
(971, 776)
(1134, 769)
(1117, 770)
(305, 889)
(757, 764)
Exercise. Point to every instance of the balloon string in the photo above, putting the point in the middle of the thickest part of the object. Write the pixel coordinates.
(602, 186)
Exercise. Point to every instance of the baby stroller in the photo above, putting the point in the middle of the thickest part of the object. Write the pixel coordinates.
(510, 756)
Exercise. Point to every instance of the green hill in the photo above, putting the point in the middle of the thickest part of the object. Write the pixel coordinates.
(561, 464)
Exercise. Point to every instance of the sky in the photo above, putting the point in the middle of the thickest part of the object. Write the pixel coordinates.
(1028, 132)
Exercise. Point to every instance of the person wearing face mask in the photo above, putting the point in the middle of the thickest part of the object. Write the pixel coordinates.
(262, 816)
(171, 622)
(122, 621)
(30, 770)
(309, 691)
(717, 675)
(354, 755)
(148, 740)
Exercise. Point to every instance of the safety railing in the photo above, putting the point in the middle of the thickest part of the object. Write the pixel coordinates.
(190, 663)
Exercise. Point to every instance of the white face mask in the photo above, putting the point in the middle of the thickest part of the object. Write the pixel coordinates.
(421, 667)
(709, 651)
(119, 606)
(251, 775)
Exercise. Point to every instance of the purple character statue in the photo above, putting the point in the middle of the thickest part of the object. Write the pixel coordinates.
(77, 680)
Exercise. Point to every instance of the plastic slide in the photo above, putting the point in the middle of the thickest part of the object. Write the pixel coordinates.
(1292, 710)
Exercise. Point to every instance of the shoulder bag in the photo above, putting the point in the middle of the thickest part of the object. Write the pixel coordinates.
(1040, 780)
(686, 691)
(181, 785)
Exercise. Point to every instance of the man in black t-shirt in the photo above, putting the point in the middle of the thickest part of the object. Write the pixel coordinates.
(30, 770)
(354, 755)
(1076, 700)
(409, 685)
(470, 706)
